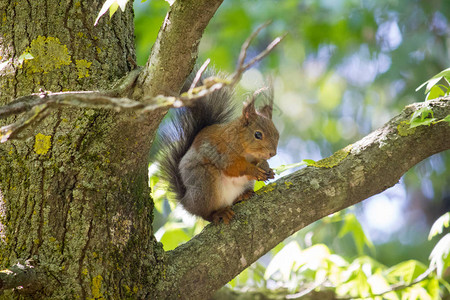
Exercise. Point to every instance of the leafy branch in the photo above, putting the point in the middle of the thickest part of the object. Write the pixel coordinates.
(396, 287)
(434, 90)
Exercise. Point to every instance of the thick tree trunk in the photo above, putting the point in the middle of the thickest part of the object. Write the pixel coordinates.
(74, 191)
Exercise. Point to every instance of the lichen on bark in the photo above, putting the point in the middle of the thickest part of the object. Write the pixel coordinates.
(72, 200)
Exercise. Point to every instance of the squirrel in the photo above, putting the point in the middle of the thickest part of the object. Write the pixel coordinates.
(211, 160)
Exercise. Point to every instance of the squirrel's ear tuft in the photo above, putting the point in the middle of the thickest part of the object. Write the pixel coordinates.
(266, 111)
(249, 111)
(267, 93)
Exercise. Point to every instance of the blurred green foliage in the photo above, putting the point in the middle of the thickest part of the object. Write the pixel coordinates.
(345, 68)
(300, 265)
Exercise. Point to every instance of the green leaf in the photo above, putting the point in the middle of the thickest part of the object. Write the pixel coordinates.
(406, 271)
(439, 257)
(429, 83)
(445, 284)
(356, 285)
(441, 223)
(362, 284)
(233, 282)
(422, 113)
(259, 185)
(379, 284)
(352, 225)
(291, 259)
(435, 92)
(309, 162)
(112, 6)
(158, 192)
(258, 271)
(416, 292)
(277, 248)
(172, 238)
(432, 287)
(241, 279)
(435, 79)
(282, 168)
(314, 257)
(432, 83)
(447, 119)
(283, 262)
(418, 122)
(153, 181)
(421, 117)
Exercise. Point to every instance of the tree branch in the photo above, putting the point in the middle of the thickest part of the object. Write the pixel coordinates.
(212, 84)
(176, 48)
(371, 165)
(242, 66)
(36, 104)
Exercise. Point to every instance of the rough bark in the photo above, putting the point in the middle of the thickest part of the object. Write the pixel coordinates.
(74, 196)
(73, 185)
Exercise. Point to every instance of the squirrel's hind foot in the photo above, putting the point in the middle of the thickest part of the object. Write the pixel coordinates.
(246, 195)
(225, 214)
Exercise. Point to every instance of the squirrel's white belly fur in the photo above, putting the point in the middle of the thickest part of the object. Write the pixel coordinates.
(231, 188)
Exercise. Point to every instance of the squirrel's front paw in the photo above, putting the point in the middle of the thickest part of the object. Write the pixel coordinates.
(263, 175)
(225, 214)
(266, 170)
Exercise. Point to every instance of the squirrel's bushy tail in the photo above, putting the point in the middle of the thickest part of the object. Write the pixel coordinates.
(177, 134)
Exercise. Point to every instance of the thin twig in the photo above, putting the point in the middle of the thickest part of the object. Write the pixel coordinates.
(36, 104)
(305, 291)
(248, 41)
(25, 103)
(244, 67)
(263, 54)
(39, 104)
(122, 86)
(208, 88)
(12, 130)
(199, 75)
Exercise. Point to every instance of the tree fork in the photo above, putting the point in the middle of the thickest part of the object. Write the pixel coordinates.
(74, 191)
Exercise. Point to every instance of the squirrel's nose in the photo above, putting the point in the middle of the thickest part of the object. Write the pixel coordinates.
(272, 154)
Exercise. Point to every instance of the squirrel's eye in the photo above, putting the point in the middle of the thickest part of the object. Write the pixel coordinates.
(258, 135)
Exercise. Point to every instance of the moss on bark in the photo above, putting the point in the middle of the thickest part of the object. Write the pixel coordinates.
(74, 191)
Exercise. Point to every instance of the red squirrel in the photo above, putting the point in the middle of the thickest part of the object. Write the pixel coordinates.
(211, 160)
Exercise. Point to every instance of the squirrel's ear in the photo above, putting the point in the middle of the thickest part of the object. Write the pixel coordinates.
(249, 111)
(267, 92)
(266, 111)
